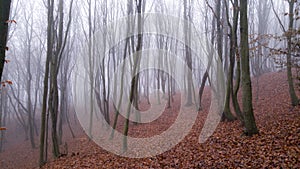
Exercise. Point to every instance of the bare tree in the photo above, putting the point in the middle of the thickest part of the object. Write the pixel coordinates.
(4, 18)
(44, 132)
(134, 83)
(56, 47)
(227, 115)
(188, 17)
(288, 34)
(250, 125)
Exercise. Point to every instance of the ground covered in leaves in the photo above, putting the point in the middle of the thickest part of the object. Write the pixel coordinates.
(277, 145)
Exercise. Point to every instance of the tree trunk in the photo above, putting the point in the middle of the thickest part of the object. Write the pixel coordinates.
(234, 45)
(293, 96)
(188, 54)
(235, 102)
(43, 136)
(3, 114)
(4, 17)
(205, 76)
(133, 88)
(121, 86)
(29, 102)
(91, 70)
(250, 125)
(227, 115)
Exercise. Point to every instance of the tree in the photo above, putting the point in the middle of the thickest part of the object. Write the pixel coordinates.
(250, 125)
(125, 52)
(3, 115)
(56, 42)
(28, 40)
(289, 34)
(234, 55)
(134, 83)
(188, 53)
(227, 115)
(44, 133)
(212, 41)
(4, 20)
(101, 75)
(55, 64)
(91, 65)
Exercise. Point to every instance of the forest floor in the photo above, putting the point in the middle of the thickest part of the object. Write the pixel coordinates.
(277, 145)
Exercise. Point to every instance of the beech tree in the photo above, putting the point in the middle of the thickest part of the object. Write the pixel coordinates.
(188, 53)
(4, 19)
(56, 42)
(233, 57)
(287, 36)
(133, 96)
(249, 119)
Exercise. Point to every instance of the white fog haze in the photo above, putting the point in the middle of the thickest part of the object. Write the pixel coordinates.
(149, 83)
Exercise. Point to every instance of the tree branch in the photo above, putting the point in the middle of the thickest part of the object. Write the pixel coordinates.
(280, 23)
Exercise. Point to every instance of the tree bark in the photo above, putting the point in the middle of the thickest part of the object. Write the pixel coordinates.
(250, 125)
(42, 159)
(4, 17)
(293, 96)
(188, 53)
(235, 54)
(134, 82)
(227, 115)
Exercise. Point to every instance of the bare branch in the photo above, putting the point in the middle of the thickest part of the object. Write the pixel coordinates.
(280, 23)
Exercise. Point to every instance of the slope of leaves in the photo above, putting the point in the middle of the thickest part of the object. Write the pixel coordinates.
(277, 145)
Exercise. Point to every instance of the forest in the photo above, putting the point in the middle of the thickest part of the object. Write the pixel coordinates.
(150, 84)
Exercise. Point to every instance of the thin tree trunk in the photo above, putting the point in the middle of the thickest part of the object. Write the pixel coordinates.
(205, 76)
(121, 89)
(227, 115)
(234, 45)
(43, 140)
(293, 96)
(135, 78)
(188, 54)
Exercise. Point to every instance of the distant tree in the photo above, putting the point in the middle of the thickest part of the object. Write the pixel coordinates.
(288, 35)
(124, 54)
(212, 41)
(134, 83)
(56, 43)
(188, 53)
(44, 133)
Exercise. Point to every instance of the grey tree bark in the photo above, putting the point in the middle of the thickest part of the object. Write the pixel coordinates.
(250, 125)
(134, 82)
(289, 34)
(44, 133)
(188, 53)
(227, 115)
